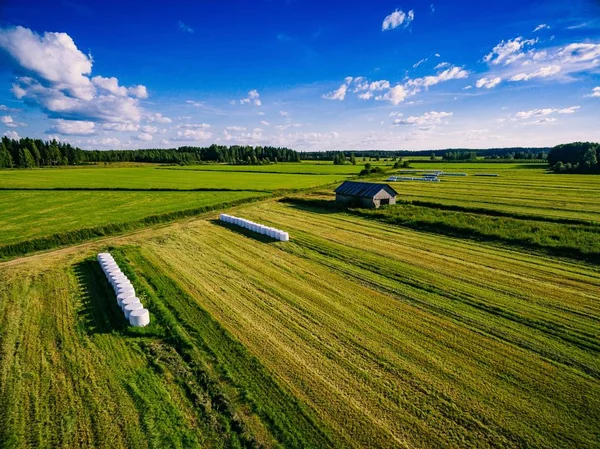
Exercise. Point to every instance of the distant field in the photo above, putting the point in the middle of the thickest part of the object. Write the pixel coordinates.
(46, 203)
(524, 189)
(26, 215)
(155, 178)
(304, 167)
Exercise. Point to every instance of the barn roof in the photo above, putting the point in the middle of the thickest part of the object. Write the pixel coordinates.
(363, 189)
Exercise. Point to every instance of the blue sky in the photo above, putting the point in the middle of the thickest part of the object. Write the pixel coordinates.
(304, 74)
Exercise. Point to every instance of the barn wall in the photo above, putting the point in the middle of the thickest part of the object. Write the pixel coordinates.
(368, 203)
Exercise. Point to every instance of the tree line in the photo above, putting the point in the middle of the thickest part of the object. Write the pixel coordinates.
(30, 153)
(576, 157)
(453, 154)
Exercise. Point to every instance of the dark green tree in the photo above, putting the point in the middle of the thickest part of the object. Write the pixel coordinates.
(5, 157)
(26, 159)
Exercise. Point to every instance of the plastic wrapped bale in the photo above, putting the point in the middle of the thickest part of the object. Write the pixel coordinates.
(139, 318)
(273, 233)
(103, 256)
(115, 278)
(285, 237)
(112, 270)
(126, 289)
(131, 307)
(123, 296)
(109, 266)
(132, 300)
(122, 283)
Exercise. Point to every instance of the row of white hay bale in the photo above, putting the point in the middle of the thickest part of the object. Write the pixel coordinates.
(276, 234)
(129, 303)
(453, 174)
(411, 178)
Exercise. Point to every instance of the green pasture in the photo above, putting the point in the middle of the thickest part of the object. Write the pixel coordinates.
(526, 189)
(26, 215)
(156, 178)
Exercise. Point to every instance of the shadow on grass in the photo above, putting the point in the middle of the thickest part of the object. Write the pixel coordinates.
(245, 232)
(100, 313)
(315, 205)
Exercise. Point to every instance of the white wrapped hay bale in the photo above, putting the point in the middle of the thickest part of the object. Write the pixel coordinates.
(131, 307)
(285, 237)
(139, 318)
(131, 300)
(125, 291)
(104, 256)
(123, 296)
(121, 284)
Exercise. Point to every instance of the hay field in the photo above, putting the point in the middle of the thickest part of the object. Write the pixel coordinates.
(156, 178)
(356, 333)
(521, 188)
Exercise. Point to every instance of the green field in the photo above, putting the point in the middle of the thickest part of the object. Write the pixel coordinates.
(521, 188)
(304, 168)
(42, 203)
(26, 215)
(467, 319)
(155, 178)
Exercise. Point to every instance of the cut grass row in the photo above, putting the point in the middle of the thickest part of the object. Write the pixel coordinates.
(155, 178)
(68, 220)
(73, 374)
(396, 337)
(577, 241)
(523, 191)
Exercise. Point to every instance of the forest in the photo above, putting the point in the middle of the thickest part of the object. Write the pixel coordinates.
(30, 153)
(576, 157)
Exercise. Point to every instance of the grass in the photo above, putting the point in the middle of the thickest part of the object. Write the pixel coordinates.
(578, 240)
(403, 327)
(395, 337)
(291, 168)
(26, 215)
(44, 208)
(156, 178)
(526, 189)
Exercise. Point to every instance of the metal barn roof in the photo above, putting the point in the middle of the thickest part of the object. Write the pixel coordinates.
(363, 189)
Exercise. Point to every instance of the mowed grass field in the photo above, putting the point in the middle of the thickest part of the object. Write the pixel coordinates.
(156, 178)
(49, 203)
(26, 215)
(525, 189)
(305, 167)
(361, 331)
(355, 333)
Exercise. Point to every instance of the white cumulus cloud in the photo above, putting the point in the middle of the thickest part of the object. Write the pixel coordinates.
(74, 127)
(509, 51)
(8, 121)
(144, 136)
(488, 83)
(252, 98)
(595, 92)
(426, 121)
(542, 72)
(525, 115)
(541, 26)
(397, 18)
(192, 135)
(55, 75)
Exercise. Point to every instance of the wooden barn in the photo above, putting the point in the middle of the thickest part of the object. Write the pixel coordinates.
(365, 194)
